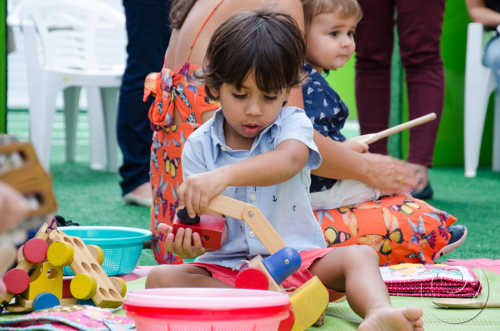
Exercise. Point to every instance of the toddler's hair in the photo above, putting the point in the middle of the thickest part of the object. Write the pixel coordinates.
(348, 8)
(268, 43)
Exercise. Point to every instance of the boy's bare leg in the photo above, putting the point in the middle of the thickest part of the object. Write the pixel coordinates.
(354, 269)
(181, 275)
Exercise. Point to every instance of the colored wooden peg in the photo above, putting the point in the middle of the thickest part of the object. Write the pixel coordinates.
(252, 278)
(60, 253)
(45, 300)
(35, 250)
(16, 280)
(83, 287)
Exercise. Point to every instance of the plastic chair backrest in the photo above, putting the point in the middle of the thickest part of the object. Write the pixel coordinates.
(474, 55)
(68, 32)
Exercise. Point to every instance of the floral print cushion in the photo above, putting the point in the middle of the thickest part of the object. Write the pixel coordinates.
(399, 228)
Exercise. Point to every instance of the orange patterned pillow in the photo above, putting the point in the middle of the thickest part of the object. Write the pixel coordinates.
(399, 228)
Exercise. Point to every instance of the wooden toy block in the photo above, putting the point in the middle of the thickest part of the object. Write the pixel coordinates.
(90, 279)
(16, 157)
(308, 303)
(210, 228)
(46, 278)
(21, 170)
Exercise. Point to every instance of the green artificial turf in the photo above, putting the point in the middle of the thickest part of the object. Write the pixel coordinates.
(93, 197)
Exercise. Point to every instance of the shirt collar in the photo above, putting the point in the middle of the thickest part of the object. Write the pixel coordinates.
(217, 132)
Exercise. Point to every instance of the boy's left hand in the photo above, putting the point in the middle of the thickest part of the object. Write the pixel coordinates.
(185, 244)
(197, 190)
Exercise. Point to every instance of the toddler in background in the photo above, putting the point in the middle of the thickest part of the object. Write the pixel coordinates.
(330, 26)
(258, 151)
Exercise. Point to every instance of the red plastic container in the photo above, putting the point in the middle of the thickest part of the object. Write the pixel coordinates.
(206, 309)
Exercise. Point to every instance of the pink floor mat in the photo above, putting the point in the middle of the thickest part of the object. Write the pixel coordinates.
(138, 272)
(488, 264)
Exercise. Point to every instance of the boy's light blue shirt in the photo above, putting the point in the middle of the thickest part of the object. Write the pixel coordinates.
(286, 205)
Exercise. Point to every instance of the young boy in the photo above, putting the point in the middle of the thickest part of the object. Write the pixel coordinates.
(330, 27)
(256, 151)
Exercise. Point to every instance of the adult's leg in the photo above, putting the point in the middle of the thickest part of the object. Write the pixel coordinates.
(419, 28)
(148, 35)
(355, 270)
(374, 44)
(181, 275)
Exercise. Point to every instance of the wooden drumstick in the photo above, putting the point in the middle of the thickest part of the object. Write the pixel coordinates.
(373, 137)
(465, 303)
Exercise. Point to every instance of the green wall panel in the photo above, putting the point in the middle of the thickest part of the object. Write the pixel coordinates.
(342, 81)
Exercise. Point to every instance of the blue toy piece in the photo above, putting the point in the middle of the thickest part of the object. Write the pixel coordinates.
(282, 264)
(45, 300)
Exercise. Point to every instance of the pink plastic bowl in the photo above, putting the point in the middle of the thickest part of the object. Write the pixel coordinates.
(211, 309)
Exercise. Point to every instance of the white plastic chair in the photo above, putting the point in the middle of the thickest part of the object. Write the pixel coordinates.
(479, 83)
(62, 39)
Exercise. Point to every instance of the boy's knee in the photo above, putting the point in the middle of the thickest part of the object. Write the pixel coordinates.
(179, 275)
(363, 253)
(155, 277)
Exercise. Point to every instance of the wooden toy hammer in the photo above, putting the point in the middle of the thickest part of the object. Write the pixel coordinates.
(308, 301)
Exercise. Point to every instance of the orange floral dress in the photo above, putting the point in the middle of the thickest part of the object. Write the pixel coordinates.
(176, 92)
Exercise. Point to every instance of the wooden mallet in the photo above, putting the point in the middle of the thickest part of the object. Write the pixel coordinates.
(373, 137)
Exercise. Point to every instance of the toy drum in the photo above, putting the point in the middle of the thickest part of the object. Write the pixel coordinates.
(210, 309)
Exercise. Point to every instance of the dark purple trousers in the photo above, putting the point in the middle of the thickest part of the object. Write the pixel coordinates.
(419, 24)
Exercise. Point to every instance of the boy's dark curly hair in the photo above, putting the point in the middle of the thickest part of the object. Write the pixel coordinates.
(266, 42)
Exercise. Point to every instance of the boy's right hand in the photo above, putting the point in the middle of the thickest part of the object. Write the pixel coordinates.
(197, 190)
(185, 243)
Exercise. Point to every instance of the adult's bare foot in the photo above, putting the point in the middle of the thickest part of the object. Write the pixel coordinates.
(393, 319)
(141, 195)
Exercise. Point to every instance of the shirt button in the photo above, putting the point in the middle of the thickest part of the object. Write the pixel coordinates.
(251, 234)
(253, 197)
